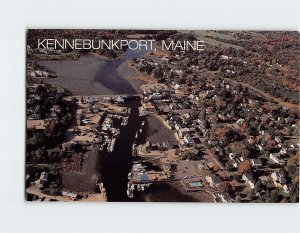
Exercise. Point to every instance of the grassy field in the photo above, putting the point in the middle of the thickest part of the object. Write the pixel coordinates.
(204, 35)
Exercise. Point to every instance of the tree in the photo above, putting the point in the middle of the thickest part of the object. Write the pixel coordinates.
(257, 186)
(251, 194)
(244, 167)
(274, 196)
(223, 187)
(40, 89)
(292, 170)
(216, 167)
(229, 166)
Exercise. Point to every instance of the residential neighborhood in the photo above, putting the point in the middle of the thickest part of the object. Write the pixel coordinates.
(192, 123)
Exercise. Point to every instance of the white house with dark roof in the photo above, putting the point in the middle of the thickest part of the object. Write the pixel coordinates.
(275, 157)
(256, 162)
(247, 177)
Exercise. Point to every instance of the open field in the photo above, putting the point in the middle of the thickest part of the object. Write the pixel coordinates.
(203, 35)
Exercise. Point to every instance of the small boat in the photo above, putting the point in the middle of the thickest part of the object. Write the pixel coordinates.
(129, 193)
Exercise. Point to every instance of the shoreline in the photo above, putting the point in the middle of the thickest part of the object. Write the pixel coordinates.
(139, 75)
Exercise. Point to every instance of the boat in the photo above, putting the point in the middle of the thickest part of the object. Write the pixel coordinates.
(112, 145)
(133, 146)
(129, 193)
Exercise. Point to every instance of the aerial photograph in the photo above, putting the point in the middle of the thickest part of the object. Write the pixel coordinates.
(162, 116)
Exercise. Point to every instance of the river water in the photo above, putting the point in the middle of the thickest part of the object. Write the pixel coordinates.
(115, 166)
(112, 74)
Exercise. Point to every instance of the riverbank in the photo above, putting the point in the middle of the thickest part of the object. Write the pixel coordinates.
(139, 75)
(199, 196)
(171, 192)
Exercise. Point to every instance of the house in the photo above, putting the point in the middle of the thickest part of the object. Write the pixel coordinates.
(72, 196)
(247, 177)
(260, 147)
(234, 163)
(44, 176)
(194, 151)
(224, 197)
(182, 131)
(107, 99)
(34, 116)
(120, 100)
(56, 109)
(90, 100)
(213, 180)
(42, 180)
(53, 116)
(240, 158)
(256, 162)
(278, 139)
(202, 122)
(202, 167)
(275, 157)
(278, 178)
(232, 156)
(155, 96)
(188, 140)
(251, 140)
(218, 148)
(286, 188)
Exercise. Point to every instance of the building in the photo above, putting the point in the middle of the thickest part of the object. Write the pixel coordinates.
(256, 162)
(213, 180)
(223, 197)
(247, 177)
(188, 140)
(182, 131)
(72, 196)
(275, 157)
(120, 100)
(278, 178)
